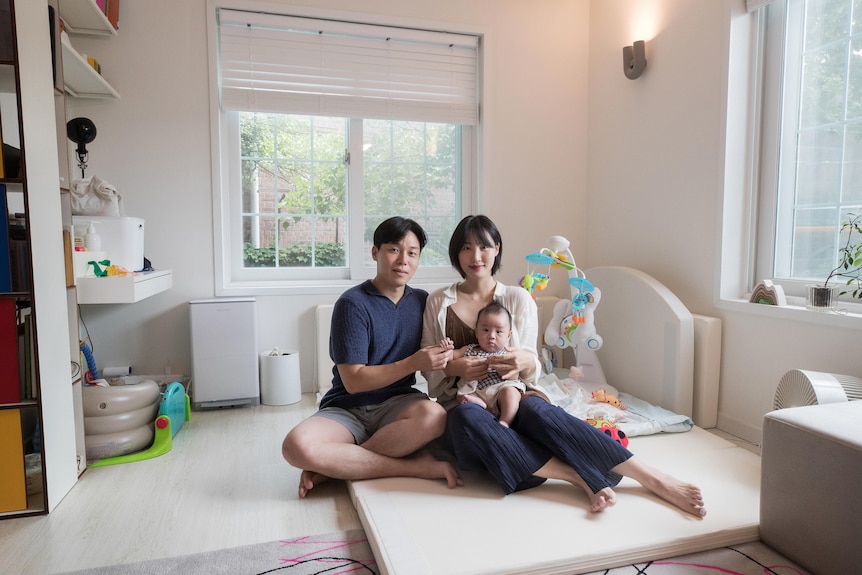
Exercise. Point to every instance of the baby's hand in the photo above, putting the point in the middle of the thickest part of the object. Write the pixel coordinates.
(447, 343)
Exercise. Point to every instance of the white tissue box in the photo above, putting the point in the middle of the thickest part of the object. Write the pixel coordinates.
(122, 238)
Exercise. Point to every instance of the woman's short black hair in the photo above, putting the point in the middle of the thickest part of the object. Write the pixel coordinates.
(393, 230)
(479, 229)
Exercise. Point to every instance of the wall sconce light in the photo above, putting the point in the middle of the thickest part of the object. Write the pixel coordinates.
(634, 60)
(82, 131)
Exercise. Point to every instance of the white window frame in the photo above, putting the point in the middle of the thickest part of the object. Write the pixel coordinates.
(230, 276)
(772, 31)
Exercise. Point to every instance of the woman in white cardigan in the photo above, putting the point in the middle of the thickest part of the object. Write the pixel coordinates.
(544, 442)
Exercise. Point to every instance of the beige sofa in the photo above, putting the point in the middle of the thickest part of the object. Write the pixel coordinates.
(811, 478)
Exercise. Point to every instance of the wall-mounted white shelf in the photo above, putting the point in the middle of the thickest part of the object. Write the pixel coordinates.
(81, 80)
(84, 17)
(123, 289)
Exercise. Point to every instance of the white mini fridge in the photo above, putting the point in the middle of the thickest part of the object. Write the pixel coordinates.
(224, 353)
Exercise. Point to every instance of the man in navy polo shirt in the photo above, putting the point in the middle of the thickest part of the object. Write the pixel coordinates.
(373, 422)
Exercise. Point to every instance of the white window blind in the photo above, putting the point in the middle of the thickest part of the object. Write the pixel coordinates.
(752, 5)
(286, 64)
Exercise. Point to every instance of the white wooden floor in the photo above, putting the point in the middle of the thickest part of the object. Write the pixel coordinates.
(223, 484)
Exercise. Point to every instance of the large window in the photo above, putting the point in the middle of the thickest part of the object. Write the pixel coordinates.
(327, 128)
(811, 167)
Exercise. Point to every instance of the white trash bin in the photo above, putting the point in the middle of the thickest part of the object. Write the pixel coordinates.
(280, 383)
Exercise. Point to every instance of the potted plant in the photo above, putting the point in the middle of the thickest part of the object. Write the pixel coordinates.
(849, 269)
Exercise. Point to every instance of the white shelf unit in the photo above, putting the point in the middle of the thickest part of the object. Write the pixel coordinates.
(80, 79)
(123, 289)
(84, 17)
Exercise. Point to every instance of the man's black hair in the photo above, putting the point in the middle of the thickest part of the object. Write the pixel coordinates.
(394, 229)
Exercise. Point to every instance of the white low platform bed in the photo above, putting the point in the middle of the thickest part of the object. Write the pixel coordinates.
(419, 527)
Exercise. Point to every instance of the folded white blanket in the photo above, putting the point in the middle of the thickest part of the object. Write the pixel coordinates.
(638, 417)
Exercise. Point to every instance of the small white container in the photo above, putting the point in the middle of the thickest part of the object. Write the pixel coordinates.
(92, 240)
(279, 378)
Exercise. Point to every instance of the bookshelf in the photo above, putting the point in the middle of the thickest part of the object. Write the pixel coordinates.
(39, 454)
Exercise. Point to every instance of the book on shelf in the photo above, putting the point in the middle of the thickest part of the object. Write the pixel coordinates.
(7, 38)
(2, 170)
(28, 360)
(13, 479)
(5, 261)
(56, 56)
(112, 11)
(10, 383)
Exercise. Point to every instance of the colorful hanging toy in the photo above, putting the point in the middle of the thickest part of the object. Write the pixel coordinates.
(573, 320)
(533, 280)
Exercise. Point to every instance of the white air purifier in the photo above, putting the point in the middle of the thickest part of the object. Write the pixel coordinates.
(800, 387)
(224, 353)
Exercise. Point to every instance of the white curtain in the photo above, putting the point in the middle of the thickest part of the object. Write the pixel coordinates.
(276, 63)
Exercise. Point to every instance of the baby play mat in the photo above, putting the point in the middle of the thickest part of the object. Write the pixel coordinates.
(420, 527)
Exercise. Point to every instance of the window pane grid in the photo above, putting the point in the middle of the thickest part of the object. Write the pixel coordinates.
(825, 179)
(293, 191)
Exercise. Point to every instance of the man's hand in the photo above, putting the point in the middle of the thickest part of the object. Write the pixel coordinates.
(434, 357)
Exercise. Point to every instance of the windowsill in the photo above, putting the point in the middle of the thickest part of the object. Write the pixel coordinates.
(330, 288)
(795, 310)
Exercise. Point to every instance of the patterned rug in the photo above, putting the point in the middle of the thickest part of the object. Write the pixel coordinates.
(349, 553)
(331, 554)
(753, 558)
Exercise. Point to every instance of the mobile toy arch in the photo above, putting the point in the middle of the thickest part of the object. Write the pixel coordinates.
(573, 320)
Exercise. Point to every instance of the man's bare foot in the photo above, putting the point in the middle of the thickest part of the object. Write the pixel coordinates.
(307, 481)
(473, 399)
(431, 468)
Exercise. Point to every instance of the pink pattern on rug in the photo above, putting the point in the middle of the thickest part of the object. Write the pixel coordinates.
(766, 569)
(328, 546)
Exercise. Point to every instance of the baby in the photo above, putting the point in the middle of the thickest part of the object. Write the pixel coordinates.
(500, 397)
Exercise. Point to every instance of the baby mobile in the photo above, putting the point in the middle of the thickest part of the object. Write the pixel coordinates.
(572, 323)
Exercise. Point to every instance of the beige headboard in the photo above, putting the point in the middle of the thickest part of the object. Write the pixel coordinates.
(653, 347)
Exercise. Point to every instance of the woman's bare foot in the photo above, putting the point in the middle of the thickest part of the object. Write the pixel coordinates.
(307, 481)
(685, 496)
(556, 469)
(602, 500)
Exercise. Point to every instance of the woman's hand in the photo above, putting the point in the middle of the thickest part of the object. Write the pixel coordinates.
(510, 364)
(468, 368)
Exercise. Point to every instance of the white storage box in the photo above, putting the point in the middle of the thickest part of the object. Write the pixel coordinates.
(122, 238)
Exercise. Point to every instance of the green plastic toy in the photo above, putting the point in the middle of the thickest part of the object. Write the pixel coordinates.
(172, 406)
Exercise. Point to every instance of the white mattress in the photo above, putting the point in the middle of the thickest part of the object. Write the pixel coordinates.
(419, 527)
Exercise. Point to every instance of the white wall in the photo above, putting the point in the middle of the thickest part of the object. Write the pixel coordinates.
(666, 189)
(633, 172)
(153, 144)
